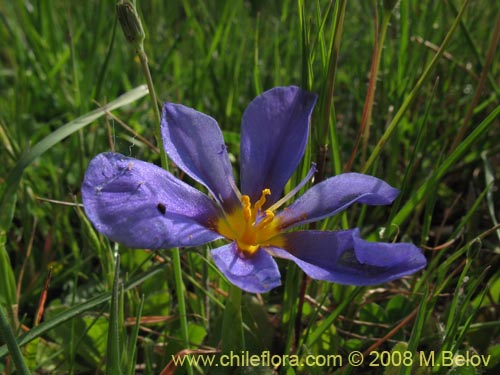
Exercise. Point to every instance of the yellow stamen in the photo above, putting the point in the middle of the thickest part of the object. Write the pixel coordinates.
(260, 202)
(269, 216)
(249, 226)
(247, 207)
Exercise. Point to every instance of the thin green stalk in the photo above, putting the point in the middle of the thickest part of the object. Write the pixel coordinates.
(113, 347)
(404, 11)
(72, 351)
(328, 127)
(179, 287)
(256, 69)
(132, 345)
(145, 67)
(410, 169)
(134, 32)
(176, 256)
(413, 94)
(8, 337)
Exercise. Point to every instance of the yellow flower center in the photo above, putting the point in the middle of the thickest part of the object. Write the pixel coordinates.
(248, 225)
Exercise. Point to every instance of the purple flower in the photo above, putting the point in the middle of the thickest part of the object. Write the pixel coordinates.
(141, 205)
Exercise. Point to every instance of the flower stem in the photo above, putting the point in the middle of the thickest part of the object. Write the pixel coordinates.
(135, 35)
(179, 287)
(176, 256)
(152, 93)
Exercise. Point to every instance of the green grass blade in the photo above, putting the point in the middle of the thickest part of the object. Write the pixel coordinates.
(113, 347)
(131, 355)
(421, 135)
(180, 290)
(460, 308)
(417, 330)
(7, 200)
(316, 334)
(404, 20)
(472, 210)
(8, 197)
(489, 176)
(473, 47)
(290, 299)
(256, 70)
(232, 325)
(7, 280)
(328, 105)
(8, 337)
(468, 313)
(444, 167)
(413, 94)
(80, 309)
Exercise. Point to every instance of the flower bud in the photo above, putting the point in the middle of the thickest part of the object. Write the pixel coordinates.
(130, 22)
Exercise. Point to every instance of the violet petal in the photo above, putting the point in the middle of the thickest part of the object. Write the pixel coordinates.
(342, 257)
(256, 274)
(195, 143)
(143, 206)
(334, 195)
(274, 133)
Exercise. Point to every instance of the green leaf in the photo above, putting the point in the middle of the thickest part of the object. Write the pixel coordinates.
(8, 197)
(7, 280)
(131, 353)
(444, 167)
(8, 337)
(232, 324)
(78, 310)
(84, 334)
(196, 333)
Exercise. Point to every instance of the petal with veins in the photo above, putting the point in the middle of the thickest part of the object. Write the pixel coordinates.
(141, 205)
(256, 274)
(342, 257)
(195, 143)
(334, 195)
(274, 134)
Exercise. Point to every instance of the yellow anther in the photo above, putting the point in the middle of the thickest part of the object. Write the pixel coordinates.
(247, 207)
(269, 216)
(249, 225)
(262, 199)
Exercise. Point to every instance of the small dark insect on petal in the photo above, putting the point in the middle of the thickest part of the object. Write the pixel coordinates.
(161, 207)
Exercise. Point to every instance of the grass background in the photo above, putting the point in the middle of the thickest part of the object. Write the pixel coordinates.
(430, 129)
